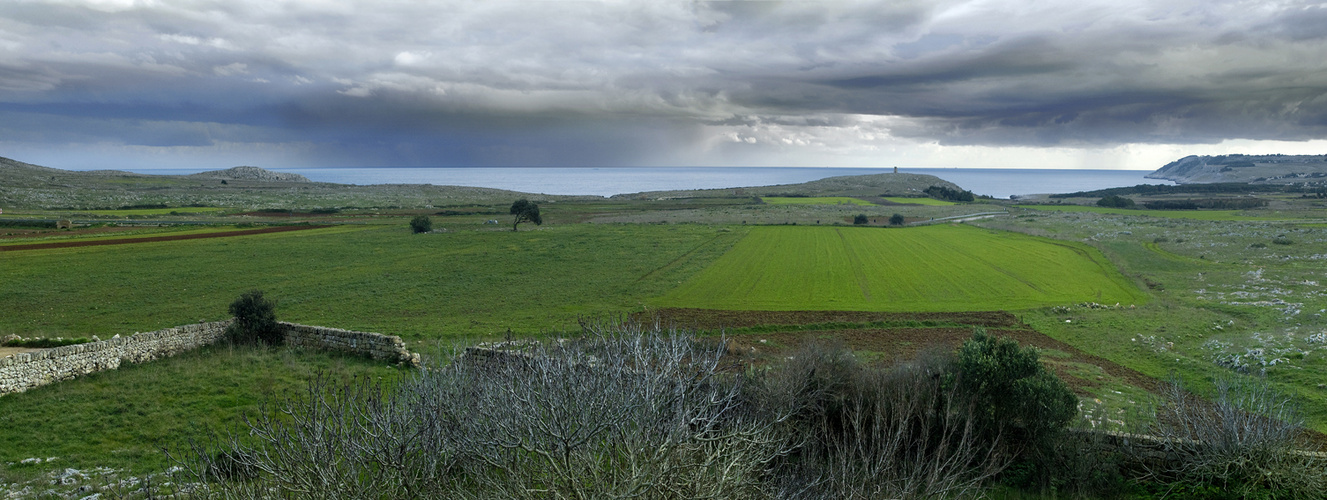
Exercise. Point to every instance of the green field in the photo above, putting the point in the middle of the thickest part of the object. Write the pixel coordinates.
(816, 200)
(934, 268)
(374, 278)
(123, 418)
(930, 202)
(1211, 215)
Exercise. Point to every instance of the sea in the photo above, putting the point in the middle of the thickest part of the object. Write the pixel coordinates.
(608, 181)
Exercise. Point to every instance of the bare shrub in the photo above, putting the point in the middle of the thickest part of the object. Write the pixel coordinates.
(879, 433)
(1248, 440)
(625, 412)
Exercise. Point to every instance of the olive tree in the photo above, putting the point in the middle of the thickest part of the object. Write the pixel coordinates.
(525, 211)
(255, 320)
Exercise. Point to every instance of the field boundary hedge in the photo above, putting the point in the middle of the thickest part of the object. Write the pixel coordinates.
(28, 370)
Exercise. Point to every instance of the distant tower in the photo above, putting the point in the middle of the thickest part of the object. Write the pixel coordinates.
(896, 170)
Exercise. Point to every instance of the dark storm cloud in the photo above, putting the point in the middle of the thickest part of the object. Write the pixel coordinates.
(621, 82)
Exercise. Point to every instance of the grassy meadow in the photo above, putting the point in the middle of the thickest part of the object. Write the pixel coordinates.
(123, 418)
(380, 278)
(933, 268)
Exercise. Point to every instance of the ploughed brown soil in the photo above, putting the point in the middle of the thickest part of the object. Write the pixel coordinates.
(936, 330)
(148, 239)
(24, 232)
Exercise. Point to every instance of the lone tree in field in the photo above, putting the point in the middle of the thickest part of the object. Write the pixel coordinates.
(255, 320)
(421, 224)
(524, 211)
(860, 219)
(896, 220)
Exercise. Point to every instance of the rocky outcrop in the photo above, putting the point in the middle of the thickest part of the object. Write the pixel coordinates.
(1252, 169)
(252, 174)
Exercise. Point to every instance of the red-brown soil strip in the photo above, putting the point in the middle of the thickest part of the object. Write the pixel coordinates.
(902, 343)
(151, 239)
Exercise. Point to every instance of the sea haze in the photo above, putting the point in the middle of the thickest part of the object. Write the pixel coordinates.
(608, 181)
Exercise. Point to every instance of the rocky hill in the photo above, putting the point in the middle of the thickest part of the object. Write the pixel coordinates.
(252, 174)
(888, 184)
(1253, 169)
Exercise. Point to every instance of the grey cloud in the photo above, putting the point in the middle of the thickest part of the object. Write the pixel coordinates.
(630, 81)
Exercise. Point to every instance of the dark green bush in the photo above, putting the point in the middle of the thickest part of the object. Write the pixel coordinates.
(255, 320)
(421, 224)
(896, 220)
(860, 219)
(1015, 396)
(944, 193)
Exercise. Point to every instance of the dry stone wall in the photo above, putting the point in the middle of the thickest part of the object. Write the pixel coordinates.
(374, 345)
(24, 371)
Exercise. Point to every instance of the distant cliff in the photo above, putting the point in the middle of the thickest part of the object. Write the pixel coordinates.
(252, 174)
(1253, 169)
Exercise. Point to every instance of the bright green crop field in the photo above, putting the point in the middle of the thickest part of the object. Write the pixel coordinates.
(817, 200)
(933, 268)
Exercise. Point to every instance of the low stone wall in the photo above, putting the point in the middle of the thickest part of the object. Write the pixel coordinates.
(24, 371)
(1143, 452)
(374, 345)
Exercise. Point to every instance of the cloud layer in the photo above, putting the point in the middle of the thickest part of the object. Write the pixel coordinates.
(496, 82)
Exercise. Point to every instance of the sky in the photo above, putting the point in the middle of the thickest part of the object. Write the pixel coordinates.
(1118, 84)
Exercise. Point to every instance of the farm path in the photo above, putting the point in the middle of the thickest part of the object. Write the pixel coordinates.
(9, 351)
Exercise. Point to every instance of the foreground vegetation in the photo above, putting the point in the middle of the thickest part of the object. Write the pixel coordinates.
(626, 412)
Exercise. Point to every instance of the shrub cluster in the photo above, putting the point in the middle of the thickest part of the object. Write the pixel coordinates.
(944, 193)
(1115, 202)
(639, 412)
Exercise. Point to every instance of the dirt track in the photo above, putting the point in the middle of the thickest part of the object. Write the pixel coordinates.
(150, 239)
